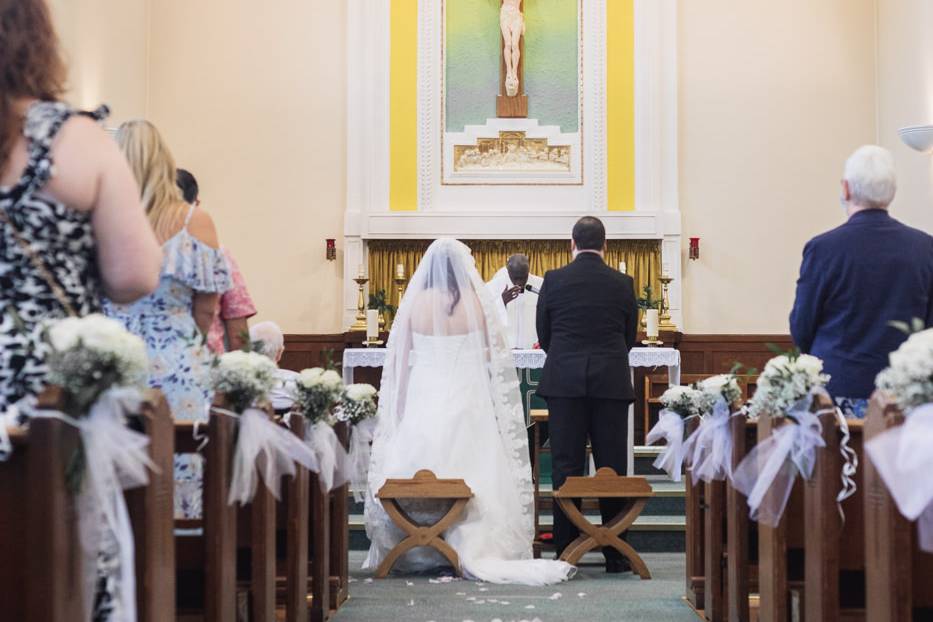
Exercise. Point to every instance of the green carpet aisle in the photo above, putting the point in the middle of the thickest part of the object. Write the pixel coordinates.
(592, 596)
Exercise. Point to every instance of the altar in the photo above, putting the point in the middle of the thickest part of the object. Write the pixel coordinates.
(534, 359)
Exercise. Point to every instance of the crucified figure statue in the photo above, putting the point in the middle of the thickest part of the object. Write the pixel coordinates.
(512, 23)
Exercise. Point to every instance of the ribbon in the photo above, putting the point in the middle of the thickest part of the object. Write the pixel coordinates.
(331, 456)
(266, 448)
(361, 438)
(773, 464)
(116, 459)
(670, 427)
(709, 449)
(903, 458)
(849, 464)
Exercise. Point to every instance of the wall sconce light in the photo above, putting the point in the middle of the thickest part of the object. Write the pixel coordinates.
(919, 137)
(331, 249)
(694, 248)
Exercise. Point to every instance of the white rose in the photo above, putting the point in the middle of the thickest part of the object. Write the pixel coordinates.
(360, 392)
(310, 377)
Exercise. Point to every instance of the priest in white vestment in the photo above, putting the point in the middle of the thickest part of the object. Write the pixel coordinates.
(516, 304)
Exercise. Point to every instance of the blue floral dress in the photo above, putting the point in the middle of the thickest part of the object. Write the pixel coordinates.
(179, 358)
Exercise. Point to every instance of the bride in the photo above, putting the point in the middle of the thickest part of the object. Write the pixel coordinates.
(449, 402)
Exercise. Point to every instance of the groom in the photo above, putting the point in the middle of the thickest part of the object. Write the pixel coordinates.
(587, 321)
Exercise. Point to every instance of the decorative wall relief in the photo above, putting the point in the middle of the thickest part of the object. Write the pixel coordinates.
(512, 84)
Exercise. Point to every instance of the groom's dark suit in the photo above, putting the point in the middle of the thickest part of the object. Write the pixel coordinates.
(587, 322)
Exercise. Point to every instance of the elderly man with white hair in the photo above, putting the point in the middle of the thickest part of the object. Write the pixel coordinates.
(859, 278)
(267, 339)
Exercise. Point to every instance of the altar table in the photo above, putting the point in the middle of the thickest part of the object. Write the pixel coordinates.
(534, 359)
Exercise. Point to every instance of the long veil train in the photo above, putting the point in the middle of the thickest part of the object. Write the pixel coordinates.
(449, 402)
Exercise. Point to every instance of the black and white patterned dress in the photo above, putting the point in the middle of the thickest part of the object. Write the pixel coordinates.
(64, 240)
(62, 237)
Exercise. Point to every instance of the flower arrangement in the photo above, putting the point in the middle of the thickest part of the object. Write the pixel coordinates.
(724, 386)
(90, 355)
(244, 377)
(319, 391)
(786, 379)
(909, 377)
(682, 400)
(357, 404)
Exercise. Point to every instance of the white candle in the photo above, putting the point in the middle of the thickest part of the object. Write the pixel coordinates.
(400, 271)
(651, 318)
(372, 324)
(362, 271)
(666, 270)
(622, 267)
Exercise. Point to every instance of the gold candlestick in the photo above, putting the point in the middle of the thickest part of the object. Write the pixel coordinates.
(665, 319)
(360, 323)
(400, 280)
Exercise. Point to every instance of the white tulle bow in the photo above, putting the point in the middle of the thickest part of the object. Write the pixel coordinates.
(708, 451)
(361, 438)
(264, 449)
(670, 427)
(773, 464)
(331, 456)
(904, 460)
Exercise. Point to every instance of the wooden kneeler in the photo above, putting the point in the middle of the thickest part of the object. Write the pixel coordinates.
(424, 485)
(606, 484)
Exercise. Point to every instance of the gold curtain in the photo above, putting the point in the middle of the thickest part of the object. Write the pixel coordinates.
(642, 259)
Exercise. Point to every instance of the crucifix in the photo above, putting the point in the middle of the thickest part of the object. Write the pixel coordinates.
(511, 101)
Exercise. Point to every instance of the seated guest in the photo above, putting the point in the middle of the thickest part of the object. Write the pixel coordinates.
(517, 306)
(267, 339)
(236, 306)
(174, 318)
(71, 223)
(857, 279)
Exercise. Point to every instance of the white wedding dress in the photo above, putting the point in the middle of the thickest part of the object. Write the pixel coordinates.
(449, 403)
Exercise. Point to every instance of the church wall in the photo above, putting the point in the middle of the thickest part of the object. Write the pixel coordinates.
(105, 46)
(252, 98)
(773, 96)
(905, 97)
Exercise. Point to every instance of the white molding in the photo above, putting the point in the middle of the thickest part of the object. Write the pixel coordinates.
(504, 225)
(594, 104)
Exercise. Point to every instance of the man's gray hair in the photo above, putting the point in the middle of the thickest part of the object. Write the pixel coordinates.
(871, 177)
(269, 339)
(518, 265)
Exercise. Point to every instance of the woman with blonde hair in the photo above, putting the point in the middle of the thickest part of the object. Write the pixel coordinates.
(174, 319)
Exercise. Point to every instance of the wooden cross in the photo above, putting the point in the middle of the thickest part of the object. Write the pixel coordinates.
(424, 485)
(605, 484)
(512, 106)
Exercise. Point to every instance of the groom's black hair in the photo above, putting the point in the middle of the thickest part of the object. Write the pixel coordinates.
(589, 234)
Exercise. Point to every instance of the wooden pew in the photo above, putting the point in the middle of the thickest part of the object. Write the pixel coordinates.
(834, 568)
(898, 576)
(741, 575)
(695, 565)
(151, 512)
(40, 556)
(210, 557)
(780, 549)
(340, 533)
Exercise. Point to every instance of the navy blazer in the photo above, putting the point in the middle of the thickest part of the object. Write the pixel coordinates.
(587, 320)
(854, 281)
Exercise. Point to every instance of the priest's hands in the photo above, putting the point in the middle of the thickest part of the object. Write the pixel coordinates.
(510, 293)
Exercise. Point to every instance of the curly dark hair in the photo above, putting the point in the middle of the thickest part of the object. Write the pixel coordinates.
(30, 63)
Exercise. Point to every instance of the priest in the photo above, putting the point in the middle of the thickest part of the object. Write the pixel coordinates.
(515, 291)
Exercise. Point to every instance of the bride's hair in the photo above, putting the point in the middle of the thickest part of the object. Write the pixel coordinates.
(435, 281)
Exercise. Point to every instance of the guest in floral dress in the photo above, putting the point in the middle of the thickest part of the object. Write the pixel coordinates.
(236, 306)
(174, 319)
